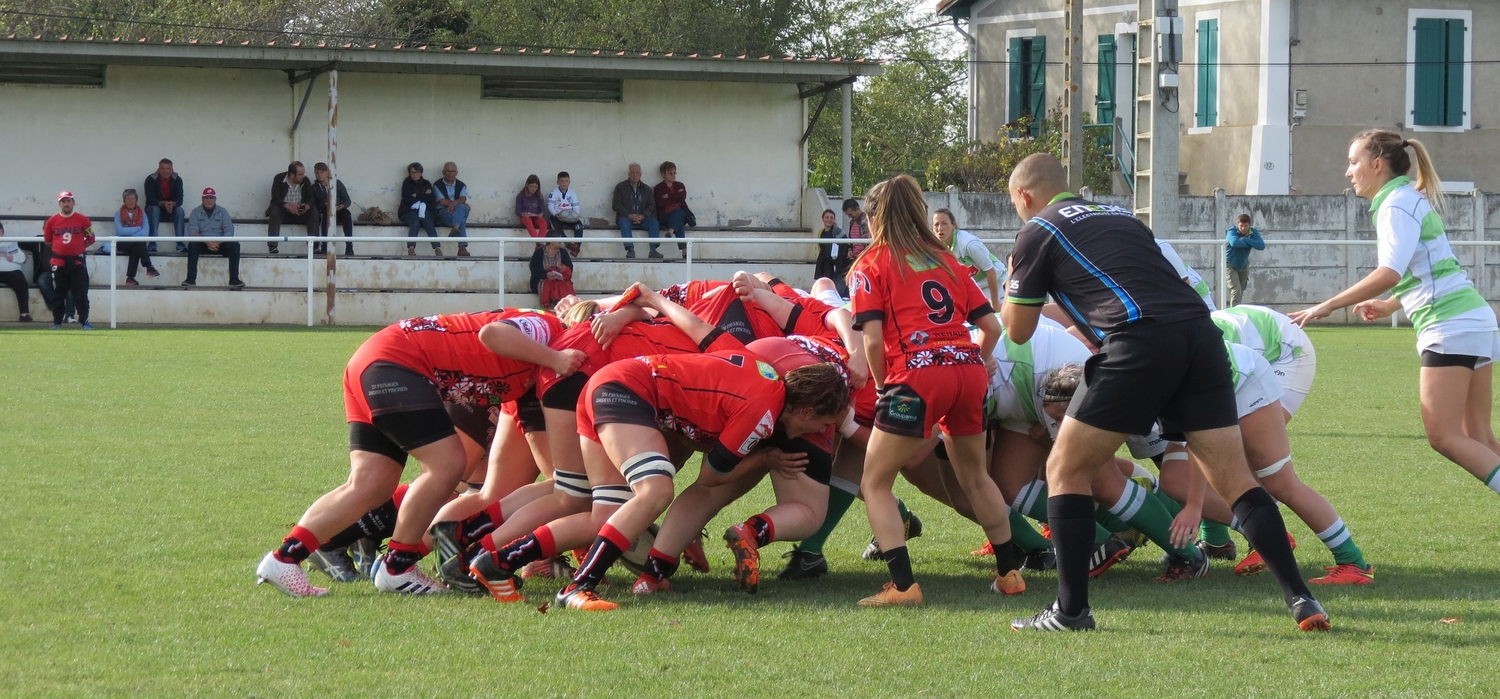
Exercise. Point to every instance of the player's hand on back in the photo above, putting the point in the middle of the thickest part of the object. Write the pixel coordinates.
(785, 464)
(568, 361)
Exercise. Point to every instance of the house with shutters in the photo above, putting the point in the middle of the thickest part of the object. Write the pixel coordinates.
(1270, 91)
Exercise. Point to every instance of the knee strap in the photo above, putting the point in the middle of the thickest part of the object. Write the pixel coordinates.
(645, 465)
(613, 494)
(574, 485)
(1273, 468)
(1174, 456)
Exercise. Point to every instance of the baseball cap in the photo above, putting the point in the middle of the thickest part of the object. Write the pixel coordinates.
(65, 194)
(209, 192)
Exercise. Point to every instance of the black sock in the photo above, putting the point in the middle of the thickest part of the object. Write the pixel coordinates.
(1005, 557)
(477, 525)
(762, 526)
(398, 562)
(899, 563)
(377, 524)
(602, 555)
(516, 554)
(1072, 520)
(1261, 523)
(660, 567)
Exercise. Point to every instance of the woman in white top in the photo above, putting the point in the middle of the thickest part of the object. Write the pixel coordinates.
(970, 251)
(1457, 336)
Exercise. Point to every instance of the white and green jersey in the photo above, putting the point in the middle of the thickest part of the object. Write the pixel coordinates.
(973, 253)
(1271, 334)
(1241, 363)
(1434, 291)
(1015, 389)
(1194, 279)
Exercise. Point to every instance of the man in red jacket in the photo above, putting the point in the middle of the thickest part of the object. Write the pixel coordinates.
(69, 233)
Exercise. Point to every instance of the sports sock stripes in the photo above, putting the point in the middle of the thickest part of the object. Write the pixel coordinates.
(1341, 543)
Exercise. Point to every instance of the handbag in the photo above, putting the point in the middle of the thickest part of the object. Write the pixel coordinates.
(688, 218)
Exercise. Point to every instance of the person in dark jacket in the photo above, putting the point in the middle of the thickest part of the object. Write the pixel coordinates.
(164, 194)
(634, 205)
(418, 208)
(341, 207)
(551, 270)
(833, 260)
(294, 199)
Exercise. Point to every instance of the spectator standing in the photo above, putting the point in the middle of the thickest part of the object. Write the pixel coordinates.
(69, 233)
(293, 199)
(418, 208)
(12, 261)
(562, 206)
(859, 228)
(531, 208)
(164, 196)
(212, 221)
(634, 205)
(551, 271)
(341, 201)
(130, 221)
(453, 205)
(833, 260)
(671, 204)
(970, 251)
(1238, 242)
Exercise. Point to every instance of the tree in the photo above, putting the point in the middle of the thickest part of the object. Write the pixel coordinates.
(986, 167)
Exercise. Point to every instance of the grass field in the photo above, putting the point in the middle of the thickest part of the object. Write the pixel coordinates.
(145, 472)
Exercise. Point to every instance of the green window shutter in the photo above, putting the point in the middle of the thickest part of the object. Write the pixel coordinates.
(1430, 97)
(1016, 85)
(1213, 73)
(1038, 64)
(1453, 105)
(1104, 96)
(1207, 84)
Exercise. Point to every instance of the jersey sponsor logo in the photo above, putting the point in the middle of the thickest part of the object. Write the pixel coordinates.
(766, 371)
(412, 325)
(905, 408)
(921, 263)
(919, 338)
(861, 282)
(762, 430)
(534, 327)
(1077, 211)
(1015, 285)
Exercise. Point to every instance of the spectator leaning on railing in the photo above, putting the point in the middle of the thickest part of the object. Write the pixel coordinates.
(634, 205)
(418, 208)
(12, 260)
(130, 222)
(212, 221)
(671, 204)
(69, 233)
(453, 205)
(1238, 242)
(164, 195)
(293, 199)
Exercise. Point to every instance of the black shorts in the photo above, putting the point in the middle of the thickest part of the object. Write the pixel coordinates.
(1434, 359)
(615, 403)
(563, 395)
(405, 407)
(819, 462)
(474, 421)
(1176, 372)
(529, 413)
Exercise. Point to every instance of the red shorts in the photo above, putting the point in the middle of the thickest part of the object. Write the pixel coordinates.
(389, 346)
(950, 396)
(864, 404)
(623, 392)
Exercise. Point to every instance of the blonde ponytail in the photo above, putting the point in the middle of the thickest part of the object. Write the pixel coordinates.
(1391, 147)
(1427, 181)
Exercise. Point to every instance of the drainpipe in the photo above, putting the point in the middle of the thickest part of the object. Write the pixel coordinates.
(973, 125)
(1293, 121)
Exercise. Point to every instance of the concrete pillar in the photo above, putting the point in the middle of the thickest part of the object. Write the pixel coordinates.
(1351, 228)
(1221, 224)
(1073, 94)
(847, 146)
(1481, 254)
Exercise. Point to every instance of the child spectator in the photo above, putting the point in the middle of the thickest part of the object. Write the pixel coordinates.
(130, 221)
(69, 233)
(12, 261)
(671, 204)
(562, 207)
(551, 271)
(531, 208)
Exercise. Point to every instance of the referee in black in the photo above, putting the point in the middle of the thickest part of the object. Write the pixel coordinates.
(1160, 358)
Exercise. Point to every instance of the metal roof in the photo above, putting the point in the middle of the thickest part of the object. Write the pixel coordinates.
(957, 9)
(384, 57)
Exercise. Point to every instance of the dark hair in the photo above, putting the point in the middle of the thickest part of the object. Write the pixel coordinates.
(946, 212)
(533, 179)
(851, 204)
(817, 386)
(1059, 385)
(665, 166)
(1391, 147)
(164, 161)
(563, 174)
(1244, 218)
(415, 166)
(320, 167)
(826, 212)
(292, 168)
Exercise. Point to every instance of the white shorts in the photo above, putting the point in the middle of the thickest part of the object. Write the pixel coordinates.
(1146, 446)
(1485, 345)
(1015, 425)
(1260, 389)
(1296, 377)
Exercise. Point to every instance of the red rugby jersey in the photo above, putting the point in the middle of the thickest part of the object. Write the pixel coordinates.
(717, 304)
(467, 372)
(67, 235)
(638, 339)
(730, 400)
(922, 303)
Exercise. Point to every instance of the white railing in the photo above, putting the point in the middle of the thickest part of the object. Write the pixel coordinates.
(1481, 282)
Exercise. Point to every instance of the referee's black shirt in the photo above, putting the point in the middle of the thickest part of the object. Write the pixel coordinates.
(1101, 264)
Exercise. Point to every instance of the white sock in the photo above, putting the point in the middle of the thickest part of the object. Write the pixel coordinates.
(1494, 480)
(1335, 534)
(1130, 501)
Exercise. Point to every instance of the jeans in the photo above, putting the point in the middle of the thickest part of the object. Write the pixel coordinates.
(344, 221)
(1238, 280)
(136, 256)
(676, 219)
(458, 219)
(153, 221)
(653, 229)
(70, 281)
(276, 215)
(414, 222)
(229, 250)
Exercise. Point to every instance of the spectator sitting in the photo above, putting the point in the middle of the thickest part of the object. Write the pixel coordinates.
(418, 208)
(531, 208)
(671, 204)
(293, 199)
(453, 205)
(634, 205)
(212, 221)
(69, 233)
(562, 207)
(341, 203)
(858, 227)
(164, 195)
(12, 261)
(833, 260)
(130, 221)
(551, 271)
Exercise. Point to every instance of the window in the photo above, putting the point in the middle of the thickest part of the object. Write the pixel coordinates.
(1439, 72)
(575, 89)
(1104, 96)
(1028, 80)
(1207, 85)
(54, 74)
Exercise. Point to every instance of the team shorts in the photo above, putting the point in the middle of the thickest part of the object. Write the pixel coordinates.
(1260, 389)
(1472, 350)
(949, 396)
(818, 447)
(1176, 372)
(1296, 377)
(618, 394)
(399, 402)
(1146, 446)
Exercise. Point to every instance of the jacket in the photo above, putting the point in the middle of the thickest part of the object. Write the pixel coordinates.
(279, 188)
(413, 191)
(669, 199)
(152, 189)
(216, 223)
(530, 204)
(122, 229)
(638, 199)
(341, 194)
(1237, 247)
(559, 201)
(442, 191)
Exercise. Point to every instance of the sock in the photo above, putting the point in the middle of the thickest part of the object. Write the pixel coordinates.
(1005, 557)
(1024, 536)
(1214, 533)
(535, 546)
(402, 557)
(1139, 509)
(765, 529)
(1234, 523)
(1493, 480)
(1173, 507)
(901, 507)
(899, 563)
(1106, 519)
(377, 524)
(479, 524)
(1261, 523)
(1072, 519)
(606, 550)
(660, 566)
(297, 546)
(400, 494)
(841, 495)
(1032, 501)
(1339, 541)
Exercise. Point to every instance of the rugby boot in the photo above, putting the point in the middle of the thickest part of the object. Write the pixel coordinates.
(889, 596)
(913, 528)
(584, 600)
(1346, 574)
(335, 563)
(1052, 619)
(803, 565)
(364, 552)
(1109, 553)
(740, 539)
(649, 584)
(501, 584)
(1179, 569)
(1040, 560)
(1309, 614)
(554, 567)
(987, 549)
(453, 566)
(412, 582)
(1008, 584)
(694, 555)
(1253, 563)
(287, 577)
(1222, 553)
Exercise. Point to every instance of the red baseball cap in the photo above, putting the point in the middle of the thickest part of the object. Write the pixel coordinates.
(209, 192)
(65, 194)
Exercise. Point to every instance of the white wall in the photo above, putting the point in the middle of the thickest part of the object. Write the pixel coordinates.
(735, 144)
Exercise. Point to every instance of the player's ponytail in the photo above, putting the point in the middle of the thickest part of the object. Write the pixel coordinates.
(579, 312)
(817, 386)
(1391, 147)
(899, 224)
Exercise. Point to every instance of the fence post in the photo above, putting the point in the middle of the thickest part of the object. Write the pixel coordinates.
(112, 272)
(309, 283)
(689, 262)
(1481, 253)
(500, 273)
(1351, 232)
(1221, 267)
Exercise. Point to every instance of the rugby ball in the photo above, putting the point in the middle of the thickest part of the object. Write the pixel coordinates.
(635, 557)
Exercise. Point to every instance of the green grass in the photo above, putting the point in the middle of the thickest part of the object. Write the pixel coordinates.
(145, 472)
